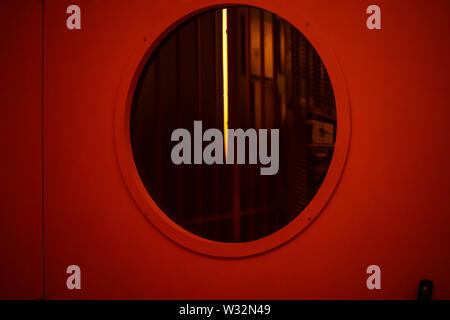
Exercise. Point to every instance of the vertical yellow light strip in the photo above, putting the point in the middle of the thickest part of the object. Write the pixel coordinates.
(225, 77)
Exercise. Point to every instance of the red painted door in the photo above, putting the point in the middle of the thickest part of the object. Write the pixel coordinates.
(389, 208)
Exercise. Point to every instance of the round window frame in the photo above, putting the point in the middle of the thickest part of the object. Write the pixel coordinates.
(148, 207)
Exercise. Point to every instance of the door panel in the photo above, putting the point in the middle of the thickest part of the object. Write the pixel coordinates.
(389, 208)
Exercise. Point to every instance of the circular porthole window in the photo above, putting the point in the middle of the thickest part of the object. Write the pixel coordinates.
(233, 124)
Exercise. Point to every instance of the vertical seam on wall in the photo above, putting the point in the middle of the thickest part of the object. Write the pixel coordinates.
(42, 158)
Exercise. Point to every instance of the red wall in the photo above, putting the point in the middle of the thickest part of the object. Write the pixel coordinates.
(21, 149)
(390, 207)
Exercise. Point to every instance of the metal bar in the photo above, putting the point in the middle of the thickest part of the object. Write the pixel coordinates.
(179, 120)
(198, 171)
(263, 102)
(236, 174)
(252, 114)
(216, 51)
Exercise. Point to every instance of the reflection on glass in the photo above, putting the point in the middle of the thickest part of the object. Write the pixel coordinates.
(257, 103)
(282, 46)
(270, 117)
(255, 42)
(268, 45)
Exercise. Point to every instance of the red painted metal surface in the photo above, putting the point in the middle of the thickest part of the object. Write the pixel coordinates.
(389, 208)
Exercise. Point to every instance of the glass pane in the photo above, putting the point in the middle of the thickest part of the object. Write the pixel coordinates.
(282, 47)
(181, 86)
(268, 45)
(255, 42)
(269, 106)
(257, 91)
